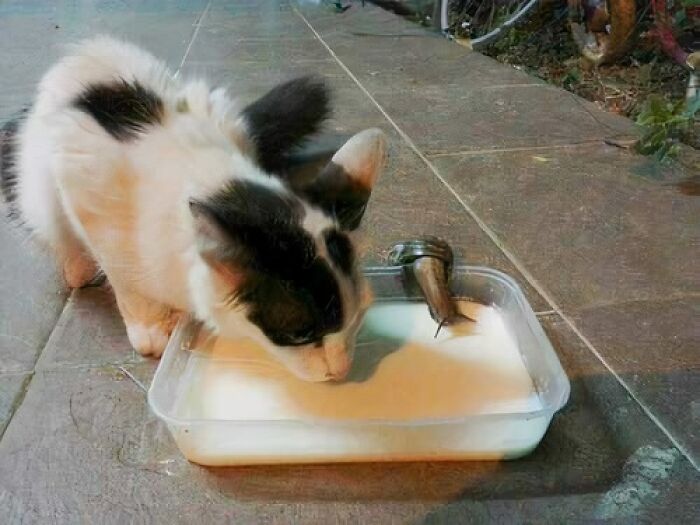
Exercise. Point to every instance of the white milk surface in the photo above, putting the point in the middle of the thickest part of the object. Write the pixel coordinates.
(401, 373)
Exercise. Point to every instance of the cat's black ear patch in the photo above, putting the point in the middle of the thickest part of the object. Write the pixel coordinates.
(339, 195)
(258, 226)
(298, 310)
(124, 109)
(279, 121)
(290, 293)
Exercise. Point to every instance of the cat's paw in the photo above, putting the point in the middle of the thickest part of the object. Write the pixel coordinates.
(151, 340)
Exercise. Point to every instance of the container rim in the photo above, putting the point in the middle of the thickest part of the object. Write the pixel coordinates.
(188, 323)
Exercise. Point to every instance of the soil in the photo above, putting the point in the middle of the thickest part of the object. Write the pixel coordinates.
(543, 46)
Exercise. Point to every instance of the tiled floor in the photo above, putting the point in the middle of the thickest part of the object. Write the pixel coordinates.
(515, 174)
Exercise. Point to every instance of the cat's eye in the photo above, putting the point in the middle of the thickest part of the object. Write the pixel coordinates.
(304, 338)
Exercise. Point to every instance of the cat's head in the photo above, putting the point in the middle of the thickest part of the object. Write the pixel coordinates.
(282, 260)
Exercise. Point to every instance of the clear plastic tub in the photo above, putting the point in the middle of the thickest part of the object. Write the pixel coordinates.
(481, 436)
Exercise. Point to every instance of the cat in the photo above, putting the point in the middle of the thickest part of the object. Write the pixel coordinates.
(180, 197)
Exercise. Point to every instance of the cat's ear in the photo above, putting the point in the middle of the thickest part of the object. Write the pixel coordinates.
(280, 121)
(210, 236)
(343, 187)
(214, 244)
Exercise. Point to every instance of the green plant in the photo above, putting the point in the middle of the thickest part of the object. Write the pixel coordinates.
(663, 123)
(571, 78)
(512, 39)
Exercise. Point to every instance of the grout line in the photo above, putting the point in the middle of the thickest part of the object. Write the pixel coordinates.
(522, 85)
(14, 373)
(468, 152)
(300, 61)
(197, 25)
(133, 378)
(267, 39)
(544, 313)
(19, 400)
(495, 239)
(88, 366)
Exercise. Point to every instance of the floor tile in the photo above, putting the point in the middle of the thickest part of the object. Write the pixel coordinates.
(427, 61)
(592, 223)
(89, 332)
(449, 119)
(447, 98)
(11, 390)
(409, 202)
(653, 345)
(23, 7)
(33, 295)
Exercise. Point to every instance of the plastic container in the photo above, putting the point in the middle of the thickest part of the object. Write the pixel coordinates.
(478, 437)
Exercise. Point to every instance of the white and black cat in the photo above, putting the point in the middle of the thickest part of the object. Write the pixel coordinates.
(179, 197)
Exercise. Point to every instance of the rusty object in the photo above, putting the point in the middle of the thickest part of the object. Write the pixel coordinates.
(604, 30)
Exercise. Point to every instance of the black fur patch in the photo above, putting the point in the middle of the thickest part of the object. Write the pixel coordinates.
(8, 162)
(124, 109)
(339, 195)
(291, 293)
(279, 121)
(340, 250)
(295, 311)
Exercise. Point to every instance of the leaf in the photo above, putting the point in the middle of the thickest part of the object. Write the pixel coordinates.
(644, 74)
(662, 123)
(679, 18)
(658, 105)
(667, 150)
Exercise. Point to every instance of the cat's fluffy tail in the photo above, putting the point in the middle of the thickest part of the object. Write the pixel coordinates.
(8, 162)
(281, 120)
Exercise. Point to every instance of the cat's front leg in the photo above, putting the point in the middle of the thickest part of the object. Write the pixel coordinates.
(148, 323)
(79, 268)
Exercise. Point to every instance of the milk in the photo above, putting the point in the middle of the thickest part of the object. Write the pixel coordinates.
(410, 396)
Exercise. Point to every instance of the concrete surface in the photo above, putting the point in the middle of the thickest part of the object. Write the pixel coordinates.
(514, 173)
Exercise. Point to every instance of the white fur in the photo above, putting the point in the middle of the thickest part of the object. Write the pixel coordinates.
(147, 340)
(123, 206)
